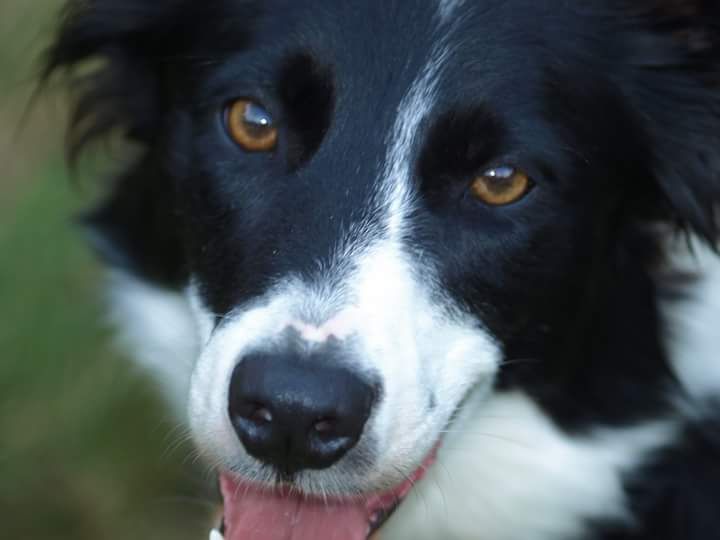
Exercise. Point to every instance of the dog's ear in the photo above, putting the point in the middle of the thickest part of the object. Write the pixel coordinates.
(674, 69)
(120, 89)
(121, 52)
(124, 59)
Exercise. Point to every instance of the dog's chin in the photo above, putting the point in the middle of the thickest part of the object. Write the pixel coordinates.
(270, 513)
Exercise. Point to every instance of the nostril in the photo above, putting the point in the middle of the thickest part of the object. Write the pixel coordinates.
(326, 428)
(260, 415)
(326, 425)
(252, 411)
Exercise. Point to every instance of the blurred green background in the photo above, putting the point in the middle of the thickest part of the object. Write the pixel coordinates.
(87, 450)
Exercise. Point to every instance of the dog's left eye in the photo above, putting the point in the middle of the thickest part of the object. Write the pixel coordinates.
(501, 186)
(251, 126)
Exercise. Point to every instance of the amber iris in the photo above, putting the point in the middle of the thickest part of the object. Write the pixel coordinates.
(251, 126)
(501, 186)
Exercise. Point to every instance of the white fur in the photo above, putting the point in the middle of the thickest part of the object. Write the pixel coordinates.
(397, 174)
(448, 7)
(505, 472)
(158, 328)
(694, 322)
(420, 348)
(339, 327)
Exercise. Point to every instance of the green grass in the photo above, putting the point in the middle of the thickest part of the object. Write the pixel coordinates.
(84, 445)
(87, 451)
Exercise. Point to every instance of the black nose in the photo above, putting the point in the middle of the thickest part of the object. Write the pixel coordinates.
(295, 414)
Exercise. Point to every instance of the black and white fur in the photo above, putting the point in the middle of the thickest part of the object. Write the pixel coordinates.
(563, 348)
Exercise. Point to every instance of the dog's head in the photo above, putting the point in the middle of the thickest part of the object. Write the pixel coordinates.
(381, 209)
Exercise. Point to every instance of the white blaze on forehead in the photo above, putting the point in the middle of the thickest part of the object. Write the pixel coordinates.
(413, 109)
(447, 8)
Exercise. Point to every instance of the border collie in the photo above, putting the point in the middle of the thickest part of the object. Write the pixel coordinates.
(434, 269)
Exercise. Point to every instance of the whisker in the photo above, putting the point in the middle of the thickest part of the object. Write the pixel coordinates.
(515, 361)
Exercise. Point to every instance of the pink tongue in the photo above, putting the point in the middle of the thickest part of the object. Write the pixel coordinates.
(253, 513)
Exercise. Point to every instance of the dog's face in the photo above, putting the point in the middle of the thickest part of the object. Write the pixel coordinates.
(381, 208)
(419, 214)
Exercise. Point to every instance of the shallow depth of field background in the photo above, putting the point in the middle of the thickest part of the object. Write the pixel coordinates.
(87, 450)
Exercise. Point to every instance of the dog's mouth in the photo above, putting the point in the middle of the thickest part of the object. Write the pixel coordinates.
(263, 513)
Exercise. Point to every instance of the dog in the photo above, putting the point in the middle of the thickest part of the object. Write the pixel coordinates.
(435, 269)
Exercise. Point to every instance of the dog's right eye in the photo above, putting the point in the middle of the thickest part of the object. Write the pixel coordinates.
(251, 126)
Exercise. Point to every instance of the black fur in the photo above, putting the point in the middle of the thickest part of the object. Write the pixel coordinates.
(675, 494)
(612, 106)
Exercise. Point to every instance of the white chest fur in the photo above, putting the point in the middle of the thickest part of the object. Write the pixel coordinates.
(505, 472)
